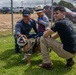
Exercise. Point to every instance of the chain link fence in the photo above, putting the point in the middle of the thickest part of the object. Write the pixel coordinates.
(6, 23)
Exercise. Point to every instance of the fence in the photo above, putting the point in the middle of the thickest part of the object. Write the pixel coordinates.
(6, 24)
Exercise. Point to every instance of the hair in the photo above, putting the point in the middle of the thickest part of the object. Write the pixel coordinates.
(60, 8)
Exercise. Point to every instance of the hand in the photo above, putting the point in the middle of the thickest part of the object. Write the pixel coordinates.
(45, 34)
(40, 21)
(47, 28)
(48, 32)
(18, 35)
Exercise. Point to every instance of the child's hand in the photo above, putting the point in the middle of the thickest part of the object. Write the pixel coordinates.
(40, 21)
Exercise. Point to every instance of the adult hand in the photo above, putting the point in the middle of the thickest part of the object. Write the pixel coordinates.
(47, 28)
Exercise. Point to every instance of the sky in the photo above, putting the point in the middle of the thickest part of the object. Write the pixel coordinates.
(29, 3)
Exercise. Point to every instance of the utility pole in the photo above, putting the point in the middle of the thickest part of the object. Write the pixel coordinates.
(44, 2)
(75, 3)
(22, 4)
(51, 12)
(12, 17)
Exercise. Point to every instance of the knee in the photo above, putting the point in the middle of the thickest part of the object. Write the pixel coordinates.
(41, 39)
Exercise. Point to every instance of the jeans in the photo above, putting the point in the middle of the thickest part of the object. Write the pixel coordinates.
(17, 48)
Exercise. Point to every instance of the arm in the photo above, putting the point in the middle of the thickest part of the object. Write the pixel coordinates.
(34, 26)
(17, 29)
(48, 32)
(55, 35)
(45, 21)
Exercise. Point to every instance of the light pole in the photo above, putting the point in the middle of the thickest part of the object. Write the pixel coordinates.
(44, 2)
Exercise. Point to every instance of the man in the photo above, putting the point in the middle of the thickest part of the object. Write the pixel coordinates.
(43, 21)
(24, 26)
(63, 28)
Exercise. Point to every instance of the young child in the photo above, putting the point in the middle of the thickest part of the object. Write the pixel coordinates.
(42, 21)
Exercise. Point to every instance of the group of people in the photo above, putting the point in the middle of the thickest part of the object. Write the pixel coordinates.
(62, 28)
(25, 25)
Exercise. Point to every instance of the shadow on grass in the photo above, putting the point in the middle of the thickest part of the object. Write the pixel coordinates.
(58, 69)
(14, 60)
(10, 58)
(6, 54)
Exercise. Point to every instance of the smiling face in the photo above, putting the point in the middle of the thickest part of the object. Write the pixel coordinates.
(22, 40)
(40, 14)
(26, 19)
(59, 15)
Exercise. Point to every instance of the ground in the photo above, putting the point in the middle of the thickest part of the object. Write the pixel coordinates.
(5, 20)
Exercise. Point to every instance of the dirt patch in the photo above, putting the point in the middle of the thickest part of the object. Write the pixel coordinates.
(5, 20)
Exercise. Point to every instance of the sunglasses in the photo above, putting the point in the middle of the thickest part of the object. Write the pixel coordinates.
(25, 16)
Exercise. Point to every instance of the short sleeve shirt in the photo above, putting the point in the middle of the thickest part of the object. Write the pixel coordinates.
(67, 34)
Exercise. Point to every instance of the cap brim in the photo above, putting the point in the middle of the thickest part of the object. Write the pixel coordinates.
(39, 11)
(25, 14)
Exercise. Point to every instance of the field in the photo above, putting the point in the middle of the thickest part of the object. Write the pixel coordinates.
(11, 63)
(5, 20)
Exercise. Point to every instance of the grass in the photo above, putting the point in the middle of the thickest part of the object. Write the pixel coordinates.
(11, 63)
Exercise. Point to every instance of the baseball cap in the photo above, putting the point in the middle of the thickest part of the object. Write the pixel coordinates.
(26, 12)
(38, 9)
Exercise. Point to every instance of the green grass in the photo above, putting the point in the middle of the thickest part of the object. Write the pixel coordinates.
(11, 63)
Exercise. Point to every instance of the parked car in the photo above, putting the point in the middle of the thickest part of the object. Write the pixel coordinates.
(31, 9)
(18, 9)
(5, 10)
(69, 14)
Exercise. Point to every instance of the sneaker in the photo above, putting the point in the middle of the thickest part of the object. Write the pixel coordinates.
(25, 57)
(47, 66)
(70, 62)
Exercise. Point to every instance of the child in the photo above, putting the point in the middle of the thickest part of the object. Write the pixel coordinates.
(43, 21)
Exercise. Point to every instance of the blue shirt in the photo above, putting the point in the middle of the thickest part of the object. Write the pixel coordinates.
(44, 23)
(25, 28)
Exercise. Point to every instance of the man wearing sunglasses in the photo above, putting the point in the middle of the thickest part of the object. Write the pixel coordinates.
(24, 26)
(64, 29)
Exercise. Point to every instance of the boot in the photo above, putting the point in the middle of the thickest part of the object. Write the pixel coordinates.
(47, 66)
(70, 62)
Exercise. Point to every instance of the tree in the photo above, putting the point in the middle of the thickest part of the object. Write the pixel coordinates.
(55, 4)
(66, 4)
